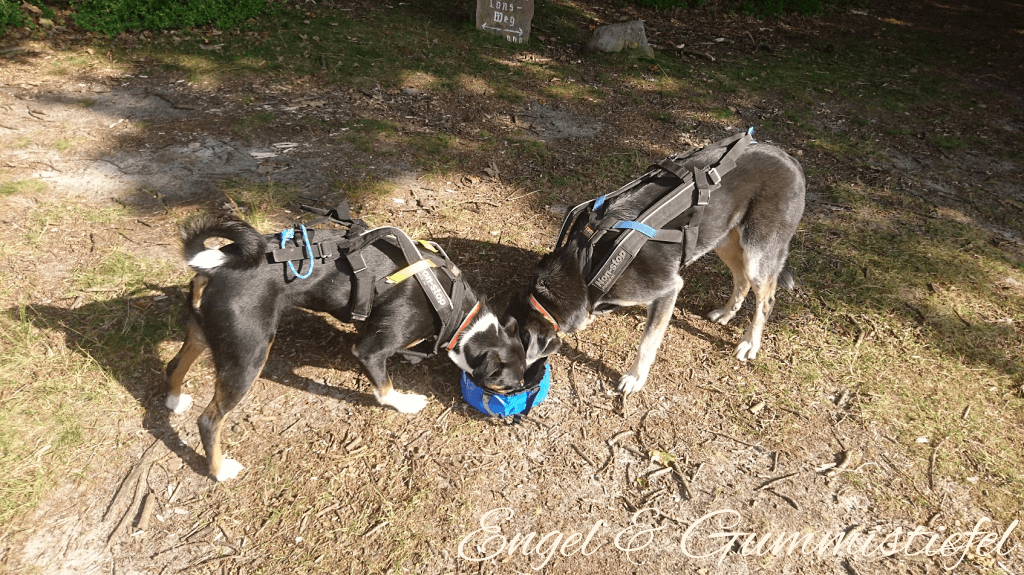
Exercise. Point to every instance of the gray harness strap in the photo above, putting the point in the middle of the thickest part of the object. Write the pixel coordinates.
(365, 283)
(692, 193)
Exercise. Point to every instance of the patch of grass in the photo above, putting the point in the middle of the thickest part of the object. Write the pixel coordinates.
(64, 145)
(663, 117)
(432, 152)
(364, 133)
(946, 142)
(65, 372)
(22, 187)
(253, 122)
(905, 308)
(20, 143)
(365, 189)
(256, 200)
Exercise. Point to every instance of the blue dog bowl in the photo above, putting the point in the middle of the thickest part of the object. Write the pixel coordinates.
(512, 404)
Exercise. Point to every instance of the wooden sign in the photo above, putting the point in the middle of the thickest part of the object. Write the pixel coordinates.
(510, 18)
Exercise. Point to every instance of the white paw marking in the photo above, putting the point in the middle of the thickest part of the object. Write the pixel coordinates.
(630, 383)
(746, 350)
(179, 403)
(404, 402)
(229, 469)
(721, 316)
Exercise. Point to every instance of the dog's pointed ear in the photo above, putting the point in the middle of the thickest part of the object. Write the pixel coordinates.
(510, 325)
(539, 345)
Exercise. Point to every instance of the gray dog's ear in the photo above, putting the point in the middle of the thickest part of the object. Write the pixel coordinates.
(539, 345)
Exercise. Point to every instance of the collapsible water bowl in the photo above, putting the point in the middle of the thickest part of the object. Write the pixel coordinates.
(534, 390)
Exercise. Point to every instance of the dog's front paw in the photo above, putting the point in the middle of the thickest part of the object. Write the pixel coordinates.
(179, 403)
(404, 402)
(746, 350)
(630, 383)
(722, 316)
(229, 469)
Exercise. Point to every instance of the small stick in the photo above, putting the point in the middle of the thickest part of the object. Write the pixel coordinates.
(960, 317)
(478, 202)
(618, 436)
(682, 478)
(584, 456)
(375, 529)
(734, 439)
(696, 471)
(656, 474)
(328, 509)
(786, 498)
(931, 465)
(147, 511)
(776, 480)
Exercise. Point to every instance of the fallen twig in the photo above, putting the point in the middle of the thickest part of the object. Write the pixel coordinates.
(931, 465)
(147, 511)
(375, 529)
(584, 456)
(785, 498)
(776, 480)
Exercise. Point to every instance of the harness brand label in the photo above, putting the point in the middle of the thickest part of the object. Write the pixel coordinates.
(610, 273)
(434, 288)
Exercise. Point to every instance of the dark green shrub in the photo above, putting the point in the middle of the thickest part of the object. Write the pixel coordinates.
(760, 8)
(775, 7)
(11, 15)
(112, 17)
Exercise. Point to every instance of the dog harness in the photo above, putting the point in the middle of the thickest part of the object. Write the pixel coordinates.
(367, 284)
(691, 193)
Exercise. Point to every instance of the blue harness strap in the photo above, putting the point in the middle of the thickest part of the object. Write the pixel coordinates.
(637, 226)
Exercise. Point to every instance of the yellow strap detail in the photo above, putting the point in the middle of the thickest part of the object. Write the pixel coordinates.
(429, 245)
(409, 271)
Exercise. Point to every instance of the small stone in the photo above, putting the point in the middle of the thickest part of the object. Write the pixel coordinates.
(617, 37)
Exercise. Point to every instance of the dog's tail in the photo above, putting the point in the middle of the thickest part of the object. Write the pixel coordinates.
(787, 280)
(247, 251)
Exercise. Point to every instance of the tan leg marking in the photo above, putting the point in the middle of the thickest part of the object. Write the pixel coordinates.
(731, 252)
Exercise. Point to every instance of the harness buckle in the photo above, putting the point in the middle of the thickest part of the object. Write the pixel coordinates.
(714, 176)
(589, 231)
(354, 259)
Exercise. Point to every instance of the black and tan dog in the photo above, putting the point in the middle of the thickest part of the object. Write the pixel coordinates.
(749, 220)
(238, 296)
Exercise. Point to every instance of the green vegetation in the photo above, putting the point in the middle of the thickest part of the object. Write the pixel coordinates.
(112, 17)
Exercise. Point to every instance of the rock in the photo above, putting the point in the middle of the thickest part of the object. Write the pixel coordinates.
(616, 37)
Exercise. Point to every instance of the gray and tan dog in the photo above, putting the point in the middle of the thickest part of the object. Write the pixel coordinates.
(749, 219)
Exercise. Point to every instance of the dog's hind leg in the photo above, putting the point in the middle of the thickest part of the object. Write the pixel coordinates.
(235, 375)
(659, 312)
(731, 252)
(764, 292)
(374, 361)
(194, 345)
